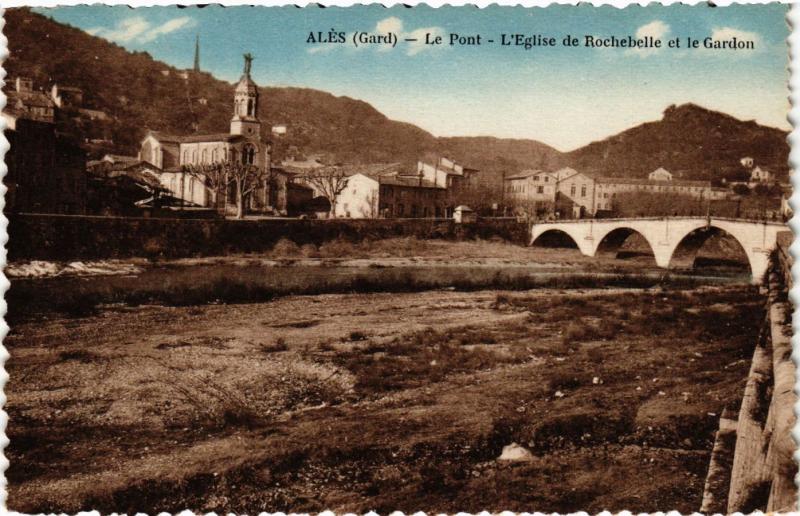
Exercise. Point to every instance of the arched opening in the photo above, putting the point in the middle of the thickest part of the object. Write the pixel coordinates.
(558, 243)
(626, 244)
(711, 249)
(555, 238)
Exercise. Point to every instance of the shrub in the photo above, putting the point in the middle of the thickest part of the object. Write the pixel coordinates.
(277, 346)
(285, 247)
(596, 355)
(309, 251)
(565, 380)
(577, 333)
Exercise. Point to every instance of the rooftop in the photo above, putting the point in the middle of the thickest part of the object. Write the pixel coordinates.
(196, 138)
(641, 181)
(527, 173)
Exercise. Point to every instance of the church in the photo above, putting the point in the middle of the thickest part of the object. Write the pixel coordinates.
(171, 153)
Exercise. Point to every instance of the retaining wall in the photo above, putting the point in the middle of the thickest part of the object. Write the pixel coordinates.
(762, 468)
(66, 237)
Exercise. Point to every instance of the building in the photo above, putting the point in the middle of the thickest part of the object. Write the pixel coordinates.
(569, 193)
(609, 189)
(446, 173)
(25, 102)
(747, 162)
(66, 97)
(46, 169)
(660, 174)
(576, 194)
(242, 143)
(531, 191)
(761, 176)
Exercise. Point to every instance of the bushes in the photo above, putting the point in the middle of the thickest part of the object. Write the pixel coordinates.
(61, 237)
(285, 247)
(277, 346)
(566, 380)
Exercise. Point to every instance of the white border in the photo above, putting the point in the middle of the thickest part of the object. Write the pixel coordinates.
(793, 43)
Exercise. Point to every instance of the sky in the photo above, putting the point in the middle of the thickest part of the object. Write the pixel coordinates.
(563, 96)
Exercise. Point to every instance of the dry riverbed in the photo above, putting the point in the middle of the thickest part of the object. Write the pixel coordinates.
(379, 401)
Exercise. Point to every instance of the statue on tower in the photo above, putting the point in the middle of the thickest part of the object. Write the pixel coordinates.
(248, 61)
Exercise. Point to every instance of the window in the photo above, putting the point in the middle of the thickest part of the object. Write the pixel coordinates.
(204, 156)
(546, 179)
(214, 155)
(583, 190)
(186, 156)
(572, 190)
(248, 154)
(540, 189)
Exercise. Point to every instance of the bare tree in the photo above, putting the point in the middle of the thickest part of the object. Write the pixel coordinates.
(219, 177)
(371, 209)
(245, 179)
(212, 176)
(329, 181)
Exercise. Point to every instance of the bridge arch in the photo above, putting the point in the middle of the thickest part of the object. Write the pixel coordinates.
(687, 250)
(555, 237)
(610, 244)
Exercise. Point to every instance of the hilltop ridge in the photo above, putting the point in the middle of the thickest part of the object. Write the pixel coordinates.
(141, 93)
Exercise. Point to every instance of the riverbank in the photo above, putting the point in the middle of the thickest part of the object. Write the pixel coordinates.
(254, 407)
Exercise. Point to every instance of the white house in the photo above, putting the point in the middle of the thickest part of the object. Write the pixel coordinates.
(660, 174)
(759, 175)
(359, 199)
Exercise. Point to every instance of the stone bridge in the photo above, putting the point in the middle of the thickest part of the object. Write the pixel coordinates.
(670, 238)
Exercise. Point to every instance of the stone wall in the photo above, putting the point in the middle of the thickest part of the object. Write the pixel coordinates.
(762, 468)
(64, 237)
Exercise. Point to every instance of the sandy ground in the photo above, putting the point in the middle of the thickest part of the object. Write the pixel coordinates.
(378, 401)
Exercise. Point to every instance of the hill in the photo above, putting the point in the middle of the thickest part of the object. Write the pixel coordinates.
(689, 140)
(141, 93)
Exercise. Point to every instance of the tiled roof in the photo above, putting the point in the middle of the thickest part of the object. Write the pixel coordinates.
(30, 98)
(409, 181)
(640, 181)
(527, 173)
(196, 138)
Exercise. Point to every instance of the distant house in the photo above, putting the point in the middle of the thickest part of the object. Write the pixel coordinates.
(747, 162)
(660, 174)
(446, 173)
(570, 193)
(279, 130)
(94, 114)
(761, 176)
(24, 102)
(65, 97)
(531, 191)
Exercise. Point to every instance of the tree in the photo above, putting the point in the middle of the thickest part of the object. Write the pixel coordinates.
(741, 189)
(371, 210)
(245, 178)
(220, 177)
(329, 182)
(212, 176)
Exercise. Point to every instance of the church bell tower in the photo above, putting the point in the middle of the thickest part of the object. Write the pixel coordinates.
(245, 105)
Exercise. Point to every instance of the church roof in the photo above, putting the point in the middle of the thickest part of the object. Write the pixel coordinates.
(196, 138)
(246, 84)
